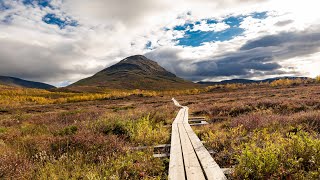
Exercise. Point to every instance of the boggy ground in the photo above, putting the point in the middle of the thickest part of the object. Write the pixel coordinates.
(263, 132)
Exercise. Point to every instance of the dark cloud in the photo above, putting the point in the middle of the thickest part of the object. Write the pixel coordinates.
(284, 23)
(289, 39)
(240, 63)
(46, 64)
(258, 57)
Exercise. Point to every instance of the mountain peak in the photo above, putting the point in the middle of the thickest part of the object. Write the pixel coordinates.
(138, 64)
(135, 58)
(135, 72)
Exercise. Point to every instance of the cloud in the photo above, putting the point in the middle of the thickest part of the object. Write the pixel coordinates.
(260, 57)
(61, 41)
(36, 62)
(131, 12)
(204, 26)
(301, 42)
(284, 23)
(242, 64)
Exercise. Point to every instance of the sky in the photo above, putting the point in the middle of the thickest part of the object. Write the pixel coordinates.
(62, 41)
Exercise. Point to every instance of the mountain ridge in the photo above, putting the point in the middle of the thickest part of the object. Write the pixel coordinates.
(135, 72)
(246, 81)
(13, 81)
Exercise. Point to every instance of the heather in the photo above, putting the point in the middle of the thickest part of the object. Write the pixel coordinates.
(260, 131)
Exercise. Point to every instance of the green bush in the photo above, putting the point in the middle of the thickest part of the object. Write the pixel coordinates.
(116, 127)
(145, 132)
(269, 156)
(318, 79)
(3, 130)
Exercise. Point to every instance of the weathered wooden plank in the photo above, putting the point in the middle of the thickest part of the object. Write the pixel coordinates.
(191, 163)
(195, 120)
(199, 124)
(176, 165)
(176, 102)
(188, 152)
(162, 155)
(192, 166)
(197, 117)
(210, 167)
(160, 146)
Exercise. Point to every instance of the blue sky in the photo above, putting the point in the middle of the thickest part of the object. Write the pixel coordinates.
(196, 38)
(62, 41)
(55, 20)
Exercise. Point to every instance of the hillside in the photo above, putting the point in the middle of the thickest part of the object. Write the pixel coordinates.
(247, 81)
(135, 72)
(12, 81)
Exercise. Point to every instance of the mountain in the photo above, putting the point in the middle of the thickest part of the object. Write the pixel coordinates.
(246, 81)
(135, 72)
(231, 81)
(12, 81)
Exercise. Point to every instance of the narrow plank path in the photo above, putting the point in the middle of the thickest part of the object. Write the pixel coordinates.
(189, 159)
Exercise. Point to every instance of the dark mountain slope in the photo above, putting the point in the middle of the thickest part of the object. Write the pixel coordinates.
(247, 81)
(12, 81)
(135, 72)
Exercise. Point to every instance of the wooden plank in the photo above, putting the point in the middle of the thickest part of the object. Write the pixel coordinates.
(163, 155)
(195, 120)
(199, 124)
(192, 166)
(176, 165)
(197, 117)
(187, 151)
(210, 167)
(154, 147)
(162, 146)
(176, 102)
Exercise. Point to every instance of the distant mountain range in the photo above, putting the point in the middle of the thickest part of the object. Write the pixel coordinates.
(135, 72)
(12, 81)
(247, 81)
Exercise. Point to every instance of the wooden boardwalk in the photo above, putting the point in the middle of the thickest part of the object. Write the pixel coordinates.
(189, 159)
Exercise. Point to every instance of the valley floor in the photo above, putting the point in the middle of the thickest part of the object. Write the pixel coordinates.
(262, 132)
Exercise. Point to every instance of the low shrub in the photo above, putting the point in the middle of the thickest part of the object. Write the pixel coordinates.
(318, 79)
(268, 156)
(116, 127)
(3, 130)
(145, 132)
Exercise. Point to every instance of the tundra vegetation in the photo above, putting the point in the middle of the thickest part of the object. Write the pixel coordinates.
(263, 131)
